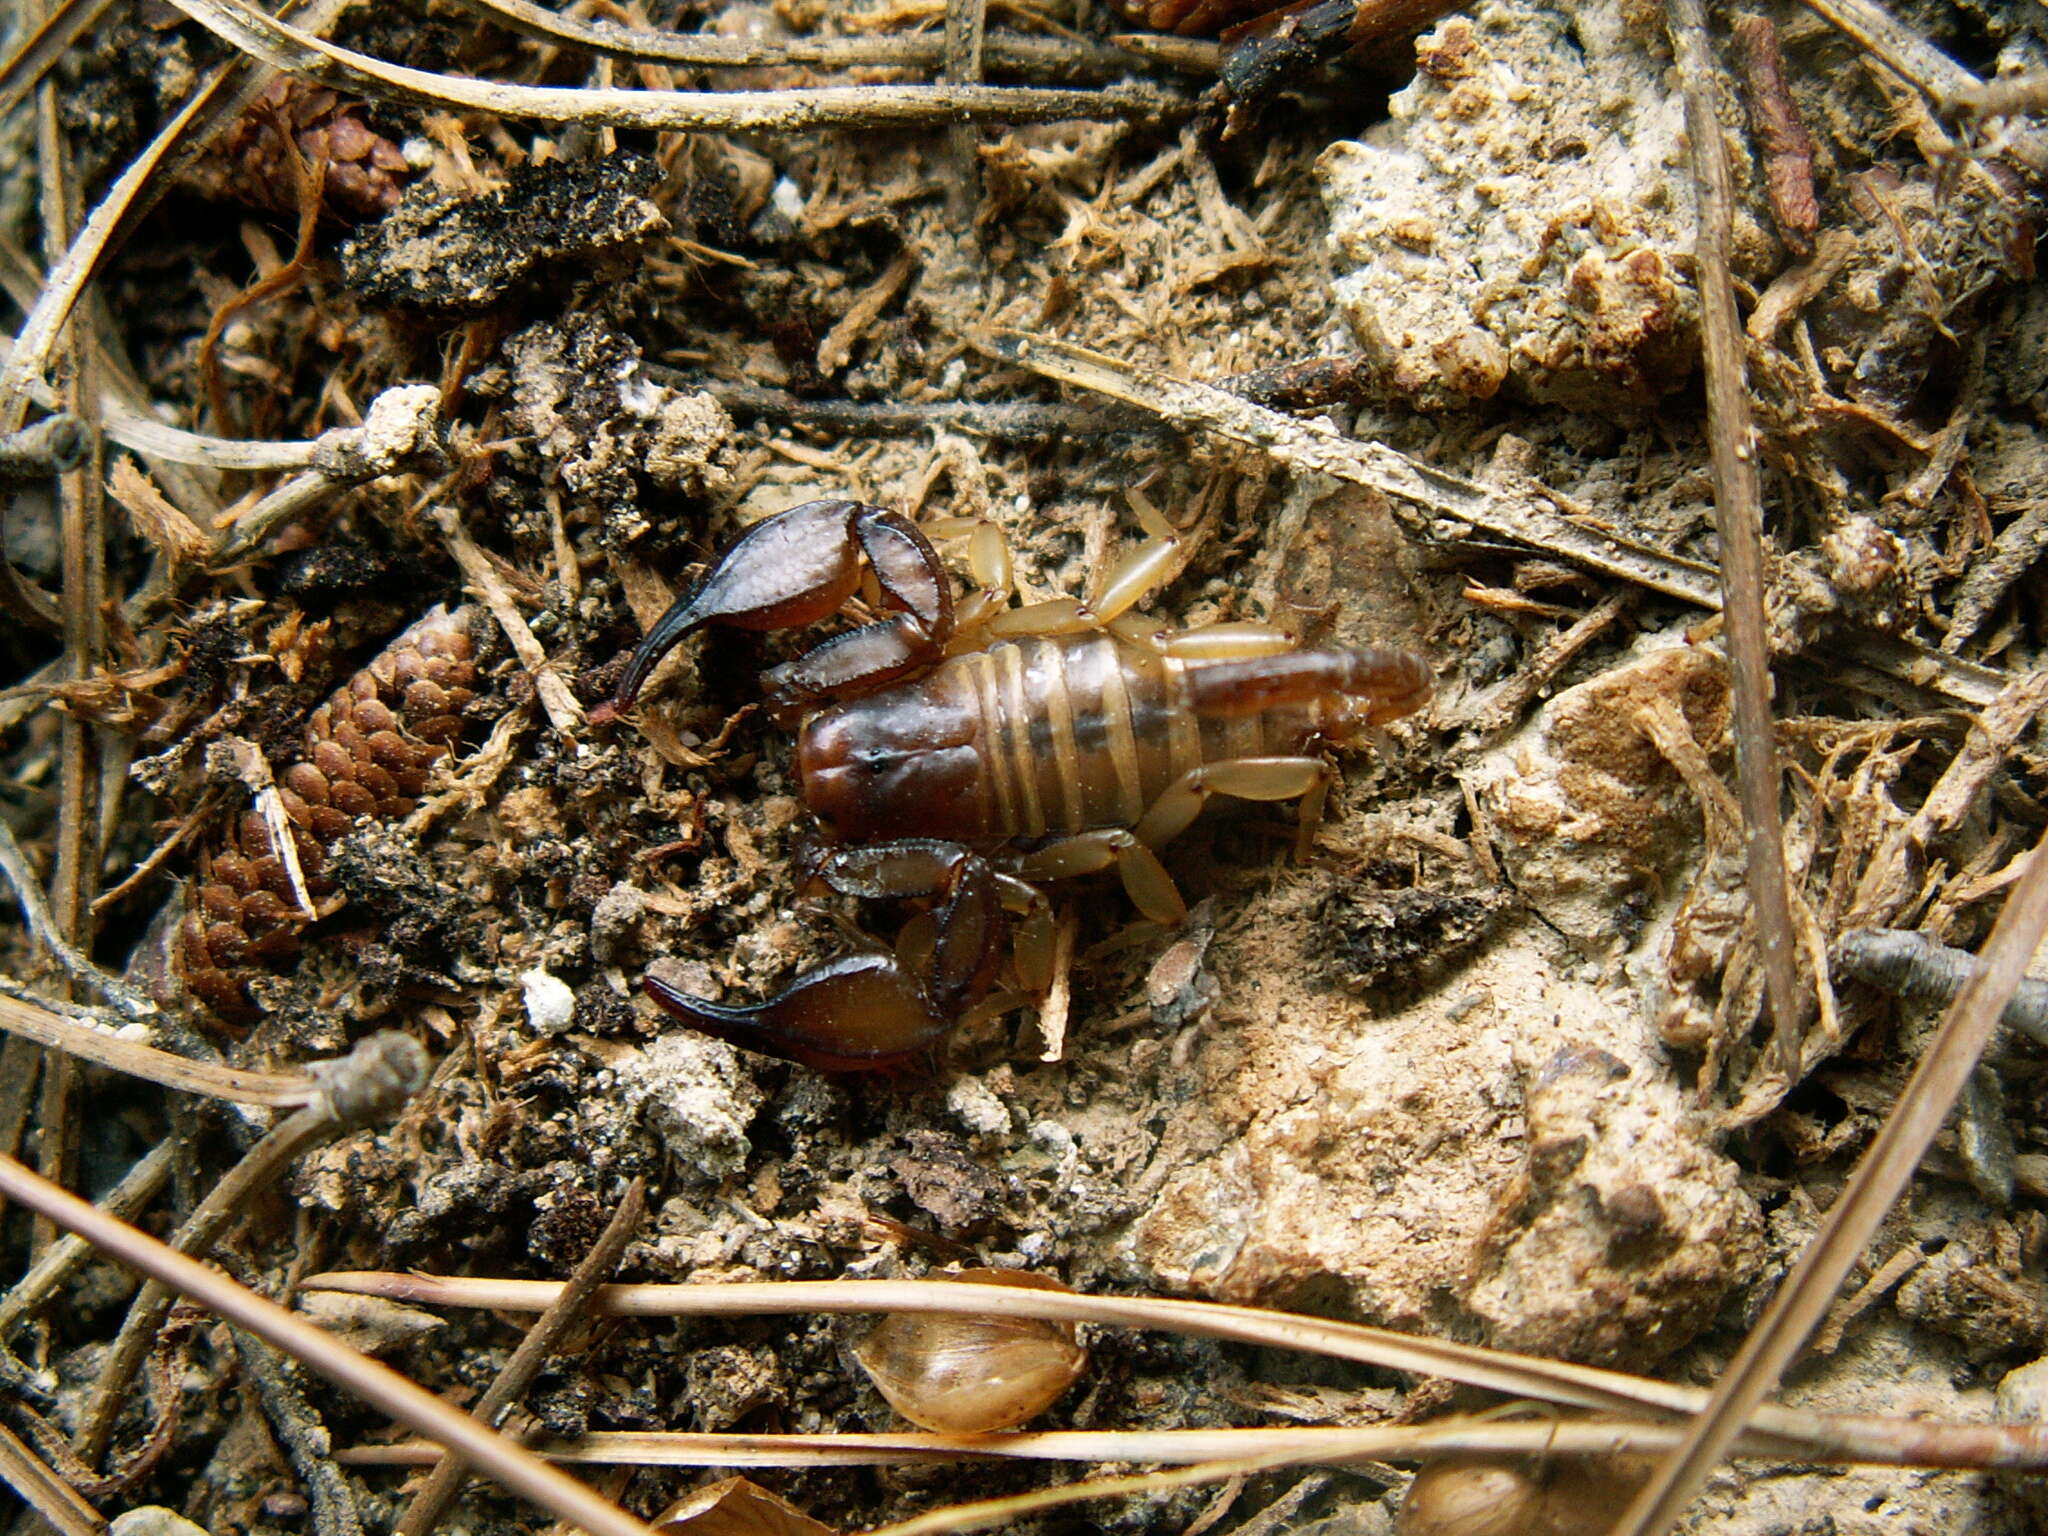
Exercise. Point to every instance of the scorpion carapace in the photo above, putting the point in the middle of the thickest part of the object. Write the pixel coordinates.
(956, 763)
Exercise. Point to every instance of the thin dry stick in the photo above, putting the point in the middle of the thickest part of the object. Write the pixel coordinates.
(401, 431)
(44, 1491)
(564, 713)
(36, 53)
(1036, 55)
(1521, 509)
(517, 1469)
(1870, 1442)
(1911, 964)
(136, 1190)
(1885, 1170)
(45, 1026)
(304, 1438)
(872, 106)
(1738, 520)
(541, 1341)
(966, 40)
(221, 98)
(82, 508)
(122, 423)
(365, 1087)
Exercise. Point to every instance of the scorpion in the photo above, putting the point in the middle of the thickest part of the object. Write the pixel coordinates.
(957, 754)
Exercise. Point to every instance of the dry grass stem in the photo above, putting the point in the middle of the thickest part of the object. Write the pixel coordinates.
(1521, 510)
(1795, 1432)
(58, 28)
(46, 1027)
(56, 1262)
(1899, 1442)
(1054, 57)
(564, 713)
(378, 1385)
(28, 891)
(44, 1491)
(365, 1087)
(222, 97)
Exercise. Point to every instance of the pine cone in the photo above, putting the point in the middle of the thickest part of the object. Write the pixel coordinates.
(366, 752)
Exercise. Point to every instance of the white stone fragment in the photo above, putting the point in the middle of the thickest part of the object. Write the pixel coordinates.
(549, 1003)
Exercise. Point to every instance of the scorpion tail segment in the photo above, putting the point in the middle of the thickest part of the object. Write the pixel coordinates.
(1394, 683)
(859, 1013)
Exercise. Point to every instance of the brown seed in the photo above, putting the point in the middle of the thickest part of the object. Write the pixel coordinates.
(332, 761)
(971, 1374)
(388, 749)
(263, 910)
(372, 716)
(330, 825)
(425, 698)
(226, 945)
(220, 902)
(307, 782)
(440, 729)
(232, 869)
(352, 800)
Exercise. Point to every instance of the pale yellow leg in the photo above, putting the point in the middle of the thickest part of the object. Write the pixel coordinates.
(1243, 778)
(1149, 886)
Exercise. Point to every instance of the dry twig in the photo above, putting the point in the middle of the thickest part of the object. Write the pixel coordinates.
(541, 1341)
(365, 1087)
(509, 1464)
(1738, 520)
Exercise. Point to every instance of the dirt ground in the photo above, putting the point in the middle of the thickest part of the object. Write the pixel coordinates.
(1491, 1064)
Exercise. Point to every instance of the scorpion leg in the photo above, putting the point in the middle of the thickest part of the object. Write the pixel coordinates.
(876, 1011)
(1145, 879)
(798, 567)
(1245, 778)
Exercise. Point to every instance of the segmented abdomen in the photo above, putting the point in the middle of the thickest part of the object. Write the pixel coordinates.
(1026, 739)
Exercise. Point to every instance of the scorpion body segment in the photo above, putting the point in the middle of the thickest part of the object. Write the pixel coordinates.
(951, 774)
(1066, 734)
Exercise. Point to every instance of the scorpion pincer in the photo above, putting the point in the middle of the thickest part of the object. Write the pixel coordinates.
(957, 754)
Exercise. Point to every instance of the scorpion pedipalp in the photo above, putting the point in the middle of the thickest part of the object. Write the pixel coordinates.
(876, 1011)
(801, 566)
(857, 1013)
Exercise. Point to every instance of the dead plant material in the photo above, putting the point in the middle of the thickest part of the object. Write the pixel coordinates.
(367, 752)
(1802, 1301)
(516, 1468)
(261, 159)
(1738, 518)
(1780, 132)
(542, 1339)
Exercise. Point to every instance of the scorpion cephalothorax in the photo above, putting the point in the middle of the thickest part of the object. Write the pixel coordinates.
(956, 754)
